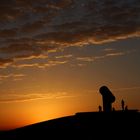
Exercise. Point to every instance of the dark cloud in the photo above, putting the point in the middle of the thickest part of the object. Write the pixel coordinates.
(8, 12)
(8, 33)
(5, 62)
(32, 27)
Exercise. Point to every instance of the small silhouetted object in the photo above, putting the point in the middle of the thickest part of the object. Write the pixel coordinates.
(126, 108)
(122, 103)
(108, 98)
(100, 108)
(113, 109)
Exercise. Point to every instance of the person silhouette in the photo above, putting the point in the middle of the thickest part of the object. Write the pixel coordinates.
(108, 98)
(126, 108)
(122, 103)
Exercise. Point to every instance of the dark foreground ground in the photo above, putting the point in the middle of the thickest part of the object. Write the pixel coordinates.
(88, 126)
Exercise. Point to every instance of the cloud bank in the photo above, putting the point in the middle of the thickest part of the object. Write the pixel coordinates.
(31, 28)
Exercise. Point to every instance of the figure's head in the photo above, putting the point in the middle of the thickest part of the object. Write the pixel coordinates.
(103, 90)
(106, 93)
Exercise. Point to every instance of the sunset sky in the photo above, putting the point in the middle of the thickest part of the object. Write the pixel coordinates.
(56, 54)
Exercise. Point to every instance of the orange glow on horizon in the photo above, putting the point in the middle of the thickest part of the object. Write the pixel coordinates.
(30, 112)
(22, 113)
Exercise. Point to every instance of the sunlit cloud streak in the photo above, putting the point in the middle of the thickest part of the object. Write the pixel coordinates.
(39, 65)
(95, 58)
(12, 76)
(34, 96)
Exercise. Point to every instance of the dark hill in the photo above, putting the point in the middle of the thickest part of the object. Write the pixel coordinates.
(88, 126)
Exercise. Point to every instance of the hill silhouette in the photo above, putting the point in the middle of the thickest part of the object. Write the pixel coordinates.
(84, 125)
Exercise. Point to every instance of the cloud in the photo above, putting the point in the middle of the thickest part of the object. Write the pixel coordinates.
(8, 33)
(41, 56)
(16, 9)
(34, 96)
(31, 27)
(8, 11)
(86, 59)
(5, 62)
(95, 58)
(48, 64)
(64, 56)
(12, 76)
(115, 54)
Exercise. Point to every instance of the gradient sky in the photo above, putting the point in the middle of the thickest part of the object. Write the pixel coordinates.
(56, 54)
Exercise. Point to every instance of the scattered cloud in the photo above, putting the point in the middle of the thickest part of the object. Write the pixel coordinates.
(45, 61)
(12, 76)
(34, 96)
(109, 49)
(64, 56)
(48, 64)
(33, 27)
(86, 59)
(8, 33)
(115, 54)
(95, 58)
(30, 28)
(5, 62)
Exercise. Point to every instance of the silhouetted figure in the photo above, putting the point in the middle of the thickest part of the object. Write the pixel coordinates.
(113, 109)
(126, 108)
(100, 108)
(122, 103)
(108, 98)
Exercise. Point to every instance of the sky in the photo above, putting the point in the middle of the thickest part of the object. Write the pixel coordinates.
(56, 54)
